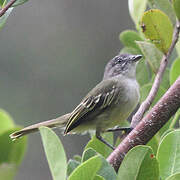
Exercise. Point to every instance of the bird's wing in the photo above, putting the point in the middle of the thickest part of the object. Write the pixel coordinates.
(98, 98)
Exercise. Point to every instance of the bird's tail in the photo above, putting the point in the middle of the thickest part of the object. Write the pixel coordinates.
(58, 122)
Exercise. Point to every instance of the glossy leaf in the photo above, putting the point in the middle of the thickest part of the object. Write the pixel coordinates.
(151, 53)
(165, 79)
(136, 9)
(176, 6)
(175, 71)
(87, 170)
(55, 154)
(168, 154)
(4, 17)
(129, 37)
(154, 142)
(144, 91)
(158, 28)
(174, 177)
(12, 152)
(107, 170)
(72, 164)
(142, 72)
(97, 177)
(88, 153)
(165, 6)
(138, 164)
(100, 147)
(7, 171)
(6, 121)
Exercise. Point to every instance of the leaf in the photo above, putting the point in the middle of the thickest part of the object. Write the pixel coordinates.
(136, 10)
(6, 121)
(77, 158)
(176, 6)
(157, 27)
(12, 152)
(107, 170)
(165, 79)
(72, 164)
(129, 50)
(97, 177)
(165, 6)
(178, 47)
(174, 177)
(144, 165)
(128, 39)
(7, 171)
(88, 153)
(4, 17)
(142, 72)
(168, 154)
(144, 91)
(151, 53)
(175, 71)
(55, 154)
(87, 170)
(100, 147)
(153, 143)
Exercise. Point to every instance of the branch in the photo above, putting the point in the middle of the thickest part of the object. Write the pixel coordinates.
(147, 103)
(149, 125)
(6, 7)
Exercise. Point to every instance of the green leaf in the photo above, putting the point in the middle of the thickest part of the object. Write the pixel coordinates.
(165, 79)
(138, 164)
(88, 153)
(72, 164)
(176, 6)
(154, 142)
(151, 53)
(174, 177)
(87, 170)
(128, 39)
(142, 72)
(77, 158)
(97, 177)
(55, 154)
(144, 91)
(6, 121)
(136, 10)
(129, 50)
(178, 47)
(4, 17)
(158, 28)
(165, 6)
(7, 171)
(17, 3)
(168, 154)
(12, 152)
(107, 170)
(100, 147)
(175, 71)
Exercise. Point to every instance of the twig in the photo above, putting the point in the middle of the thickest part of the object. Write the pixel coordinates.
(149, 125)
(147, 103)
(6, 7)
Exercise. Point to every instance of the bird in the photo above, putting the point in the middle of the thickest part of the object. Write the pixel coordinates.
(105, 107)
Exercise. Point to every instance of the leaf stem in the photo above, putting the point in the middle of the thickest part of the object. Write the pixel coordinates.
(6, 7)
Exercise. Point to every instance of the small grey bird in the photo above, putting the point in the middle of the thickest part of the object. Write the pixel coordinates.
(108, 104)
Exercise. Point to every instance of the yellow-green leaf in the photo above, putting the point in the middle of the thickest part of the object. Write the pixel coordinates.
(176, 6)
(158, 28)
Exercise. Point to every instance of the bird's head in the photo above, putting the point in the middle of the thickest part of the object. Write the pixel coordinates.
(124, 64)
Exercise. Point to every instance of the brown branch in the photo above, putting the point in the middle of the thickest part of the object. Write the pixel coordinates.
(6, 7)
(149, 125)
(147, 103)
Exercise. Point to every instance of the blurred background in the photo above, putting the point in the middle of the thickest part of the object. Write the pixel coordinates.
(52, 54)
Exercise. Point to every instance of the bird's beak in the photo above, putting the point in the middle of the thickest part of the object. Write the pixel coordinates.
(136, 58)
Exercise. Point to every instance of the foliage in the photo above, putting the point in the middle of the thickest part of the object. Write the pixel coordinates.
(160, 159)
(11, 152)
